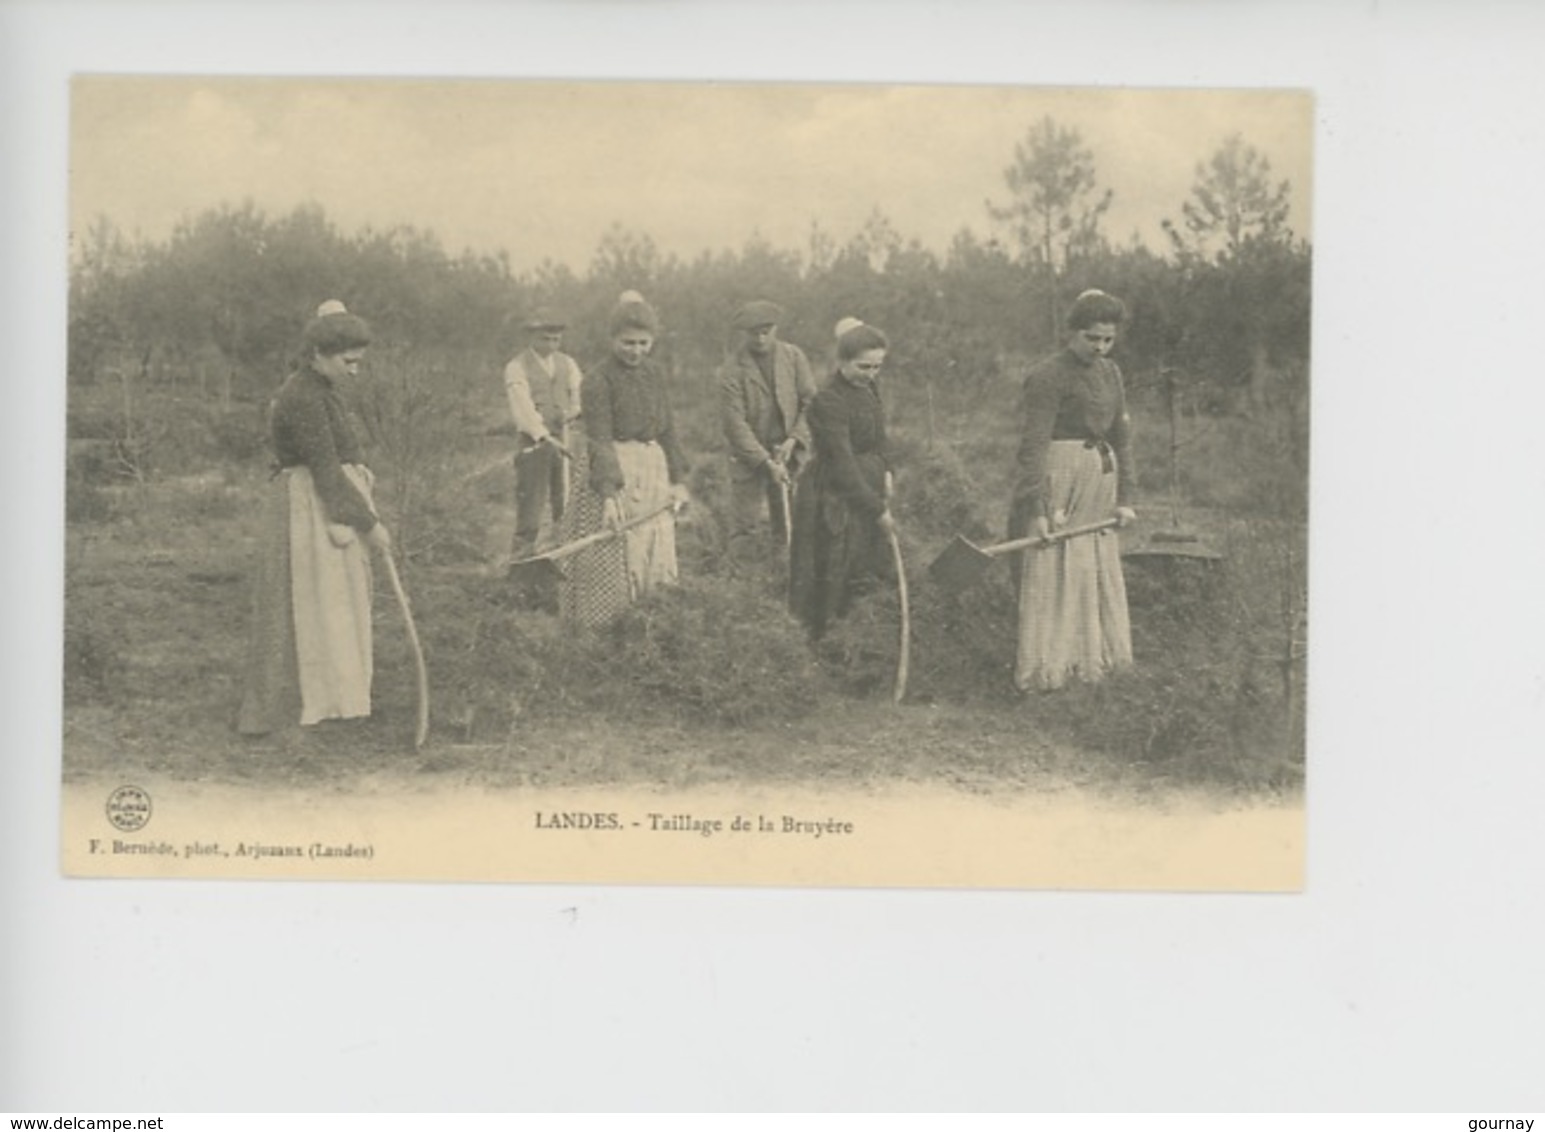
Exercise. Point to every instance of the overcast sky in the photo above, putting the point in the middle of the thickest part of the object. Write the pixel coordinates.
(541, 169)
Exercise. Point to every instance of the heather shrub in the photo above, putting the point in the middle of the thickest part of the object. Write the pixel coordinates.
(712, 651)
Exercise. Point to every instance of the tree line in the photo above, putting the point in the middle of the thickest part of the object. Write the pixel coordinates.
(218, 304)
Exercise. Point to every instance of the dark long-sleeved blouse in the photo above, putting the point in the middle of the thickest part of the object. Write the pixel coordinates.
(627, 403)
(1066, 398)
(847, 425)
(311, 428)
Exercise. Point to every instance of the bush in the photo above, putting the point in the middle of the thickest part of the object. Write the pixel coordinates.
(962, 643)
(720, 652)
(859, 651)
(1205, 700)
(1206, 697)
(717, 651)
(937, 497)
(703, 531)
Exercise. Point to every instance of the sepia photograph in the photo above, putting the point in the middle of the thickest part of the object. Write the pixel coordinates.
(687, 482)
(877, 556)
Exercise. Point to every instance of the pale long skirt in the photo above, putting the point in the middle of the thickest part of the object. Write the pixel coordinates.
(603, 580)
(1073, 621)
(310, 649)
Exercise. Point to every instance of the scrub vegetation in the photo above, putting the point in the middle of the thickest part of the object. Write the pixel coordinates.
(176, 347)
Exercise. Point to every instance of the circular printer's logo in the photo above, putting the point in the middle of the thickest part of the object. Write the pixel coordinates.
(128, 808)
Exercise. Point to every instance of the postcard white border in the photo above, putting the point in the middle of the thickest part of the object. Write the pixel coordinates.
(1404, 977)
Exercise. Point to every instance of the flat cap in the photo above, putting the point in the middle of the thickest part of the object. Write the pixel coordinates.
(759, 312)
(543, 318)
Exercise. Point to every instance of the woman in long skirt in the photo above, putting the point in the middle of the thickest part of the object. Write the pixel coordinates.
(841, 514)
(309, 653)
(1074, 470)
(631, 474)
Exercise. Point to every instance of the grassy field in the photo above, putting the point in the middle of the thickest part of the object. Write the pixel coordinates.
(710, 684)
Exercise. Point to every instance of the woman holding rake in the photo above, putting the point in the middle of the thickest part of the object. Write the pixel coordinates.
(630, 476)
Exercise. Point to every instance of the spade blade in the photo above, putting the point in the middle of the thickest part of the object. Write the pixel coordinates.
(960, 565)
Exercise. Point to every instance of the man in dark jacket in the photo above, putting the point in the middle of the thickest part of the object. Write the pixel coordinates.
(764, 387)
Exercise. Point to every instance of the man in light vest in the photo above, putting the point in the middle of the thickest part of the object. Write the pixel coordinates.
(542, 383)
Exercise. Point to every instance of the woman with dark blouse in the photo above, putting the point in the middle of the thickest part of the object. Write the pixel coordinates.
(629, 468)
(1074, 469)
(841, 512)
(309, 652)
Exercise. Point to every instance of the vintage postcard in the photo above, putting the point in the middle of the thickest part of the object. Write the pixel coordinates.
(687, 483)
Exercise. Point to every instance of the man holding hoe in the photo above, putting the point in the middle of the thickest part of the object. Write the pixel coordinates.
(765, 387)
(542, 384)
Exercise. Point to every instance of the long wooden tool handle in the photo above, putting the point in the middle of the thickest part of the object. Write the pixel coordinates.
(903, 661)
(1058, 536)
(580, 544)
(786, 499)
(421, 728)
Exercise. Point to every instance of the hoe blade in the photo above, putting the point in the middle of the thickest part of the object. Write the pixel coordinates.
(960, 565)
